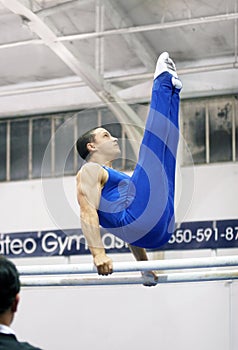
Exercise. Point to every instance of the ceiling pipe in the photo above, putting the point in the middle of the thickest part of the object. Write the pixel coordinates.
(130, 30)
(152, 27)
(133, 77)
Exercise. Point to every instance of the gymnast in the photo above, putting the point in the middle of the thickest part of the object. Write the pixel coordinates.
(139, 209)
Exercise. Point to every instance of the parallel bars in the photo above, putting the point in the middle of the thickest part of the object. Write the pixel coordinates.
(61, 275)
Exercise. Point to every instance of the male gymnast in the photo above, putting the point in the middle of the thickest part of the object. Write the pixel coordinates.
(138, 209)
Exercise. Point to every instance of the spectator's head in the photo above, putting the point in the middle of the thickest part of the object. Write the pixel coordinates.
(9, 289)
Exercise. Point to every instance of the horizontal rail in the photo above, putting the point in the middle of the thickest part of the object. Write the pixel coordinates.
(175, 264)
(54, 281)
(130, 30)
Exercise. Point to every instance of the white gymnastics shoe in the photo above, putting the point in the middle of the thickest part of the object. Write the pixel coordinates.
(166, 64)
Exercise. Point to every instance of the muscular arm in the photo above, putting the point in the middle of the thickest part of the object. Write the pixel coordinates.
(90, 181)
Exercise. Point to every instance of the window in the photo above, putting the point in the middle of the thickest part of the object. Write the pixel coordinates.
(194, 133)
(236, 128)
(41, 147)
(64, 145)
(220, 130)
(19, 150)
(44, 146)
(86, 120)
(130, 157)
(209, 127)
(3, 151)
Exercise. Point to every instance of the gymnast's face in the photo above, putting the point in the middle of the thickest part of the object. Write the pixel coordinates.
(106, 144)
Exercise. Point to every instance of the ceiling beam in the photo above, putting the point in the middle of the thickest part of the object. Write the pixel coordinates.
(68, 83)
(103, 89)
(36, 8)
(152, 27)
(130, 30)
(49, 11)
(136, 42)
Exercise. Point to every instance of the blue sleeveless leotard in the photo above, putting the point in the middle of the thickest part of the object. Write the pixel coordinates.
(140, 209)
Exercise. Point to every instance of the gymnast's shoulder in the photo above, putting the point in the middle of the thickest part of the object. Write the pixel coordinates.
(92, 172)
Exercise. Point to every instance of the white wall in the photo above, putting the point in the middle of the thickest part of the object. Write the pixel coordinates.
(38, 205)
(182, 317)
(207, 192)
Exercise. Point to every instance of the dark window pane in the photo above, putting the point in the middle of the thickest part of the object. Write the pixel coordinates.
(220, 130)
(86, 120)
(236, 125)
(41, 147)
(3, 150)
(109, 122)
(64, 145)
(142, 110)
(130, 156)
(115, 130)
(237, 140)
(193, 131)
(107, 117)
(19, 154)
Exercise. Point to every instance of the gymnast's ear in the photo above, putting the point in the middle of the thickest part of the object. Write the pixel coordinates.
(91, 147)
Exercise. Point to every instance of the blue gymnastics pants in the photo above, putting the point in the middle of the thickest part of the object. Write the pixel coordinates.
(149, 222)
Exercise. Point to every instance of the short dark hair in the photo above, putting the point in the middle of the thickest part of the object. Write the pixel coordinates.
(82, 142)
(9, 283)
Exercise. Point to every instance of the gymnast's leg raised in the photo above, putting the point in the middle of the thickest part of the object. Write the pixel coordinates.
(147, 221)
